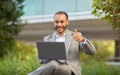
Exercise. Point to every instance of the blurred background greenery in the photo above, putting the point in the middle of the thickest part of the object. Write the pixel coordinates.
(24, 59)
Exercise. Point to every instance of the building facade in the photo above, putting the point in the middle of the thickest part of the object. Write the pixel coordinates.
(38, 14)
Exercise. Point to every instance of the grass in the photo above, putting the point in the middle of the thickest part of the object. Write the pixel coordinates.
(20, 61)
(10, 65)
(99, 68)
(24, 60)
(14, 66)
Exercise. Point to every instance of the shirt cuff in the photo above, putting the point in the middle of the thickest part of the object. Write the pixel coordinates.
(62, 61)
(83, 41)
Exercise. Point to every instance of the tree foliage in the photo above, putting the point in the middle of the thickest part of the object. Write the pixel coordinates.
(10, 25)
(108, 10)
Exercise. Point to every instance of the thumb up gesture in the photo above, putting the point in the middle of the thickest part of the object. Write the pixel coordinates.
(77, 36)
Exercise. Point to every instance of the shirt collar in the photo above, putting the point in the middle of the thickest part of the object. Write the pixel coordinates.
(57, 36)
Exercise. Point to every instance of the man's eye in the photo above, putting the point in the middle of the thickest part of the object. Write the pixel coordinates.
(56, 21)
(61, 21)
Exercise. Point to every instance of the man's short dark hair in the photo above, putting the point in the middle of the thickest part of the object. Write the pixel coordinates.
(61, 12)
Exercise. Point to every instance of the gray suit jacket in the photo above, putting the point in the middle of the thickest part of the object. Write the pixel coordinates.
(73, 50)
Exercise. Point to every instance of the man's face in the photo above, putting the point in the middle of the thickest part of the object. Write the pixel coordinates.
(60, 22)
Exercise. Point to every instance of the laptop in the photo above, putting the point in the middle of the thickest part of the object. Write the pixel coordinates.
(51, 50)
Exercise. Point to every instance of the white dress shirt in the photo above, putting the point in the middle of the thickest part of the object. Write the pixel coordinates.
(61, 39)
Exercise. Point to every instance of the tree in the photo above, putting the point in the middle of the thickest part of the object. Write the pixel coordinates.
(10, 24)
(109, 10)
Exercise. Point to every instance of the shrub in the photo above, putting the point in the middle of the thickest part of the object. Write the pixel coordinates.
(10, 25)
(104, 49)
(19, 61)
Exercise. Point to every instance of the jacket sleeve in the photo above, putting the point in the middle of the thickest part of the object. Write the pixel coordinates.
(88, 47)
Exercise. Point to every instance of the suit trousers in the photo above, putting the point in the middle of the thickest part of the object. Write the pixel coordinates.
(52, 68)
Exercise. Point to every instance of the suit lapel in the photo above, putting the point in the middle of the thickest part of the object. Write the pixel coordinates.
(53, 37)
(69, 37)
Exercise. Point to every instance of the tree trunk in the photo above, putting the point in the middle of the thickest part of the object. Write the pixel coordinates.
(117, 50)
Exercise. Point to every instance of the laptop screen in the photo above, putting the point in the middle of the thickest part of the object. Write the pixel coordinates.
(51, 50)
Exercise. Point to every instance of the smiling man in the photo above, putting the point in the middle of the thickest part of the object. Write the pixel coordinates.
(74, 42)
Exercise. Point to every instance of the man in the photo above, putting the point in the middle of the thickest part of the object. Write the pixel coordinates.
(74, 42)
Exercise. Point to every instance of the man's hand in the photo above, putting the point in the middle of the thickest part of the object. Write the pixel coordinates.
(77, 36)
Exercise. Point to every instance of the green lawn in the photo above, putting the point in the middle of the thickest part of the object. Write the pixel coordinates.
(24, 59)
(14, 66)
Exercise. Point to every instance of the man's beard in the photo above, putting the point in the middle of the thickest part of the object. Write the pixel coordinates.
(62, 27)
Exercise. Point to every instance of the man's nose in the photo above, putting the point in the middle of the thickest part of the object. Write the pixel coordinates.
(59, 24)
